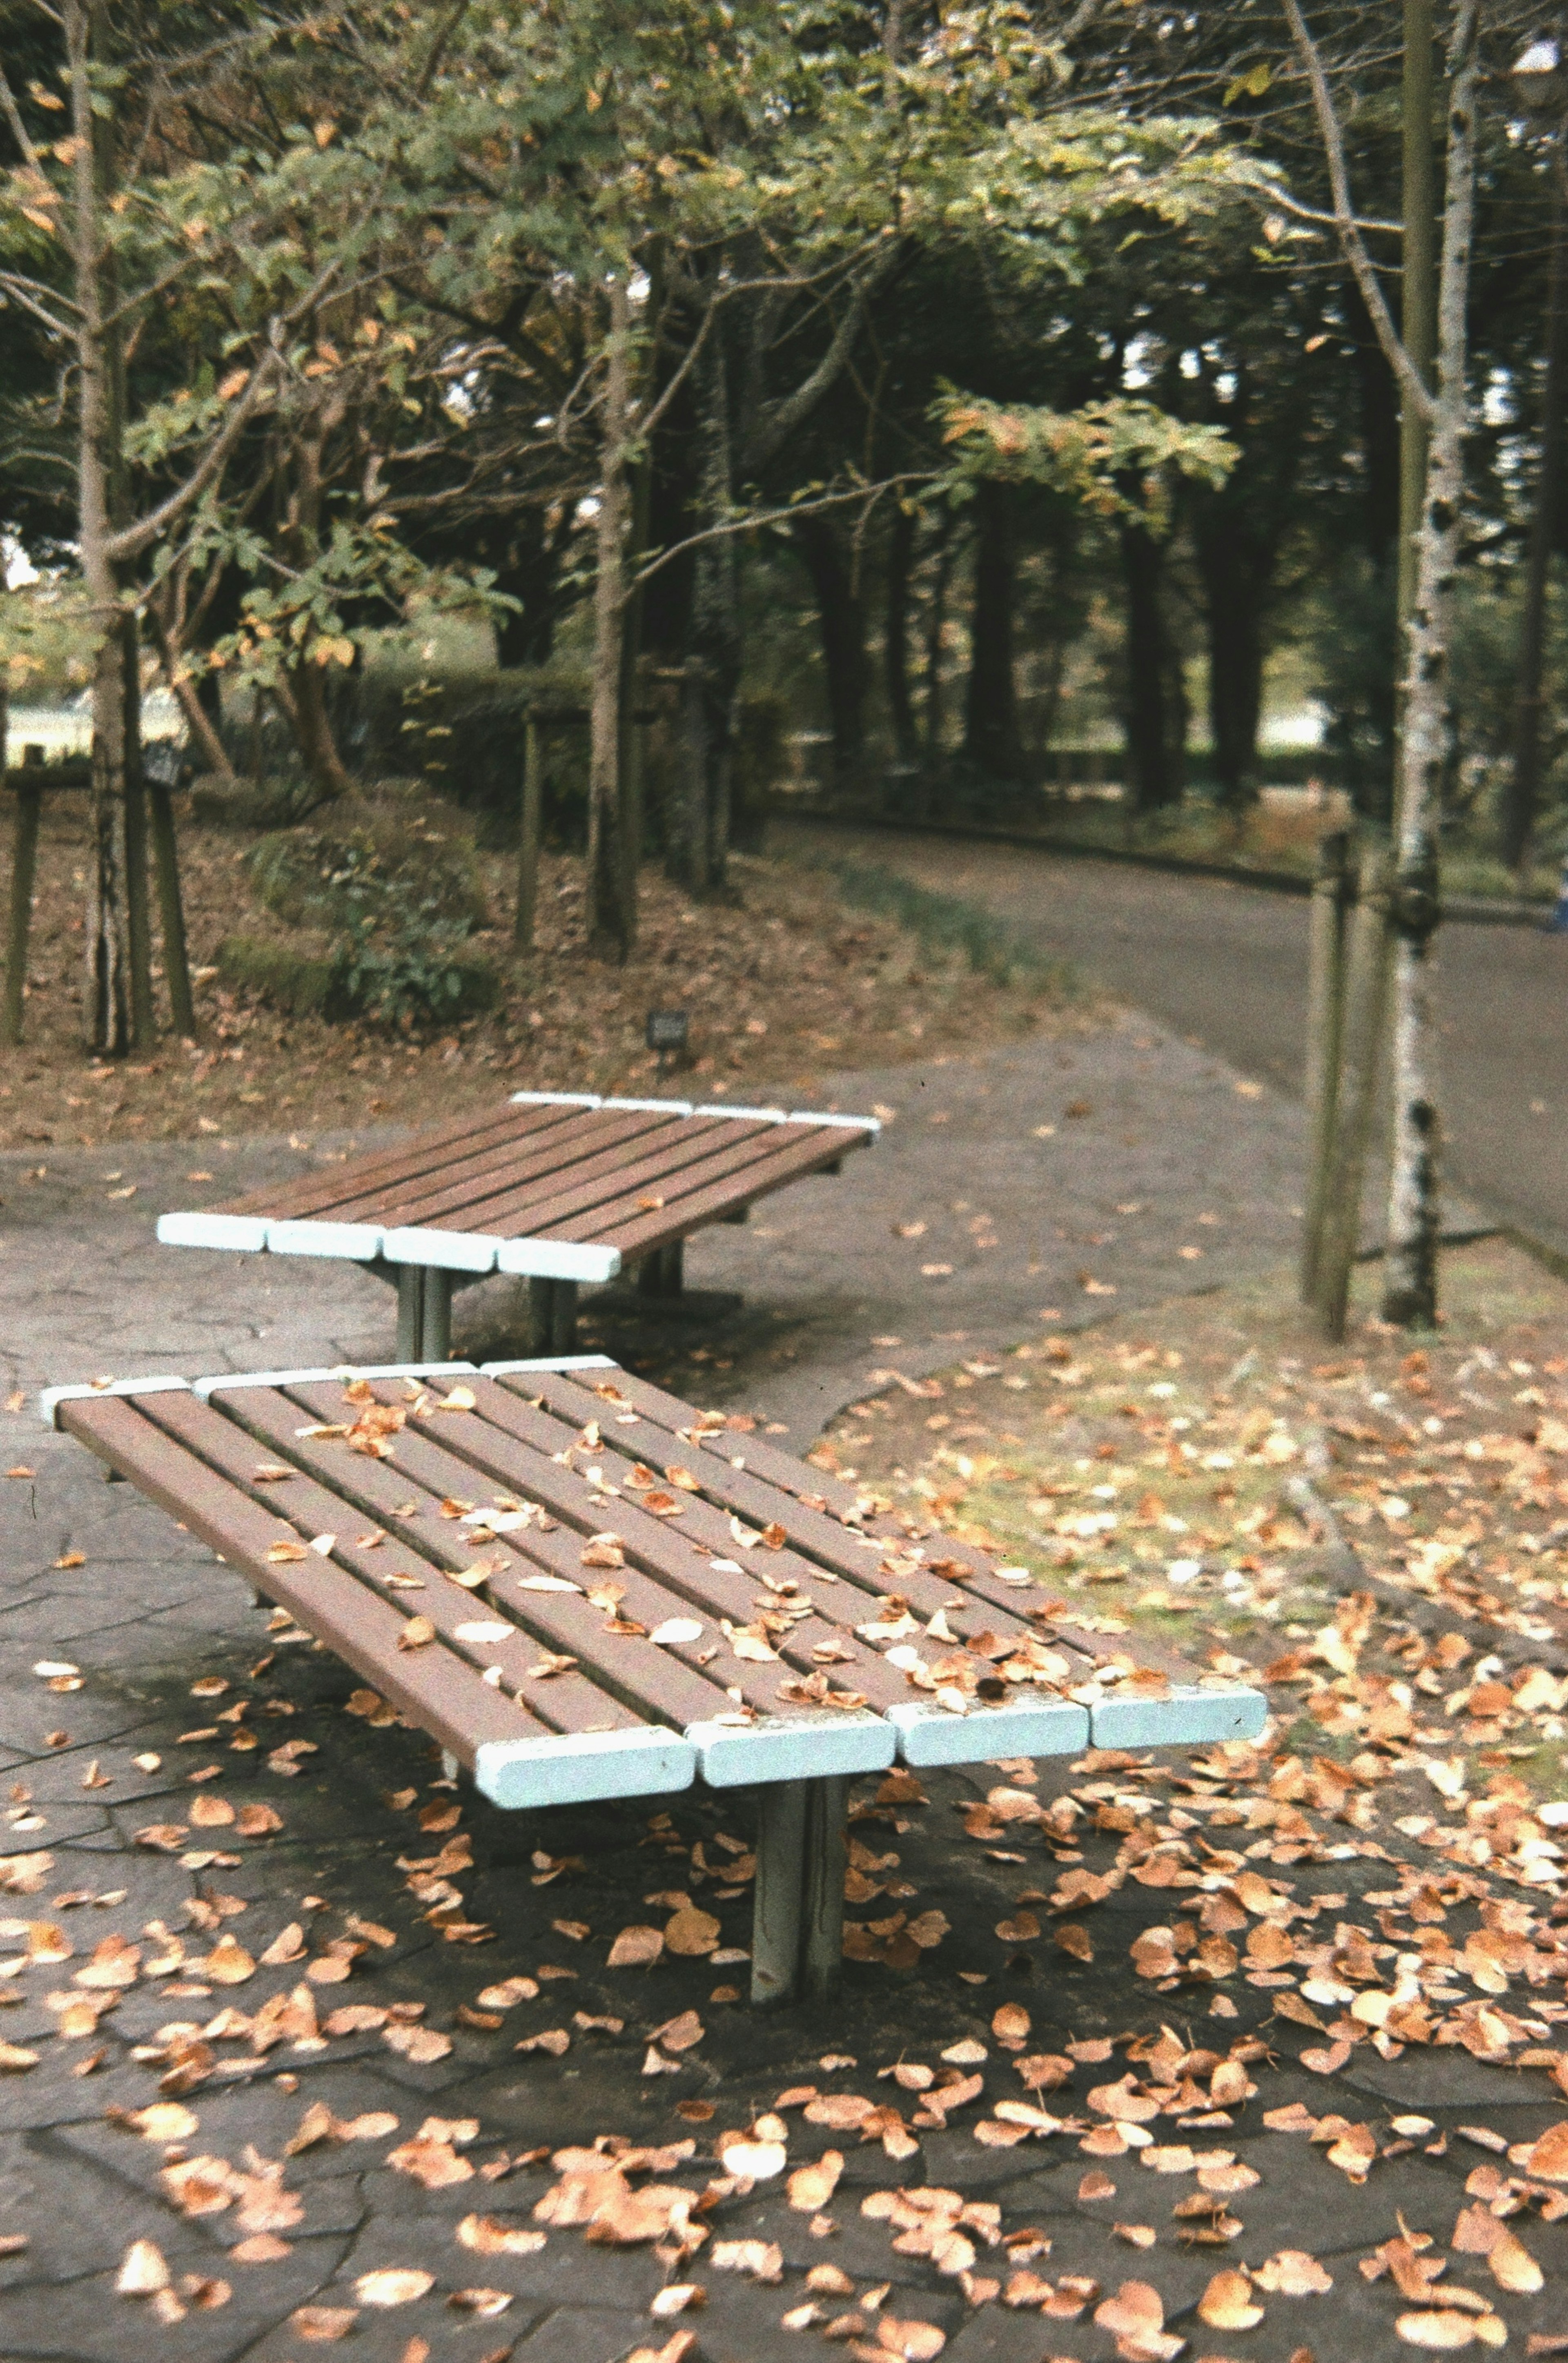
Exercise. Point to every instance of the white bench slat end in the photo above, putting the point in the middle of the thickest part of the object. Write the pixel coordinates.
(745, 1115)
(832, 1744)
(548, 1362)
(446, 1250)
(352, 1242)
(832, 1115)
(557, 1099)
(665, 1108)
(224, 1381)
(583, 1768)
(556, 1259)
(241, 1234)
(52, 1397)
(1184, 1718)
(928, 1736)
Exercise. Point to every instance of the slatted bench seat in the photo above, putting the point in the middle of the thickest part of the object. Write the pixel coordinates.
(563, 1186)
(583, 1588)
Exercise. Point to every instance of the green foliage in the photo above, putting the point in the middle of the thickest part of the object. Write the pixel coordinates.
(1117, 456)
(396, 901)
(399, 962)
(325, 875)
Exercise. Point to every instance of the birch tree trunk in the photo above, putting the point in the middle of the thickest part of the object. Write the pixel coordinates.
(611, 892)
(1410, 1272)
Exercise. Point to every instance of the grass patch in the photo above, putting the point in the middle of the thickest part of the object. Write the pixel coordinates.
(949, 923)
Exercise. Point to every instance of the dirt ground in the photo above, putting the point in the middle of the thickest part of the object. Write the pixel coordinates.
(1213, 1474)
(782, 985)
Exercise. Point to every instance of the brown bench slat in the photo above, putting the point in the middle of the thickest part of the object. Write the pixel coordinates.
(790, 1160)
(499, 1198)
(431, 1686)
(318, 1194)
(681, 1579)
(571, 1702)
(815, 1533)
(652, 1682)
(489, 1441)
(797, 1477)
(577, 1200)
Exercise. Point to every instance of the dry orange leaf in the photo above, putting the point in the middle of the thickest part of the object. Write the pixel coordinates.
(1227, 2303)
(636, 1949)
(811, 2187)
(489, 2237)
(393, 2285)
(691, 1932)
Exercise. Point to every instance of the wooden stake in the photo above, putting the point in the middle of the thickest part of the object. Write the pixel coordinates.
(532, 825)
(1325, 1011)
(172, 909)
(24, 866)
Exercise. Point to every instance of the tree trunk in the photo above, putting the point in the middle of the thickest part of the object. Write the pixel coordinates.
(840, 615)
(1523, 790)
(1411, 1288)
(935, 719)
(118, 982)
(896, 635)
(610, 914)
(1233, 612)
(302, 693)
(1152, 744)
(991, 714)
(700, 847)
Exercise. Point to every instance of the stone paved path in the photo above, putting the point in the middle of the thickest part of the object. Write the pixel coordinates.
(93, 1577)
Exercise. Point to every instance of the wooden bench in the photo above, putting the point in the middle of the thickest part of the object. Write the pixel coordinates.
(635, 1595)
(563, 1186)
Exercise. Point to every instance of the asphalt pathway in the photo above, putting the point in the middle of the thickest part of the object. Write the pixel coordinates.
(1225, 967)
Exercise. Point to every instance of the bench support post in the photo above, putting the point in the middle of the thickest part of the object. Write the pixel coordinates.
(437, 1342)
(663, 1272)
(564, 1317)
(798, 1923)
(553, 1316)
(410, 1312)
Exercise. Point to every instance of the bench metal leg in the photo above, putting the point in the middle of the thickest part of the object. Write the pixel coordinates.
(822, 1898)
(411, 1312)
(775, 1919)
(437, 1341)
(797, 1931)
(663, 1272)
(564, 1317)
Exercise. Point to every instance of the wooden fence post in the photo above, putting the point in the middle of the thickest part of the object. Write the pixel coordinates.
(532, 825)
(171, 908)
(1325, 1015)
(24, 864)
(1365, 1000)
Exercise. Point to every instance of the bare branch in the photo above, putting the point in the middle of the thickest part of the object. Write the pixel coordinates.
(1289, 204)
(783, 417)
(133, 539)
(1412, 387)
(868, 494)
(21, 291)
(19, 128)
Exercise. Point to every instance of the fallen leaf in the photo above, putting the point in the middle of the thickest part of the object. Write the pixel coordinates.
(321, 2323)
(489, 2237)
(1227, 2303)
(142, 2270)
(811, 2187)
(393, 2285)
(691, 1932)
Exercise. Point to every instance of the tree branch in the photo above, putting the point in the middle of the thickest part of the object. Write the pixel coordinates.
(1412, 387)
(783, 417)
